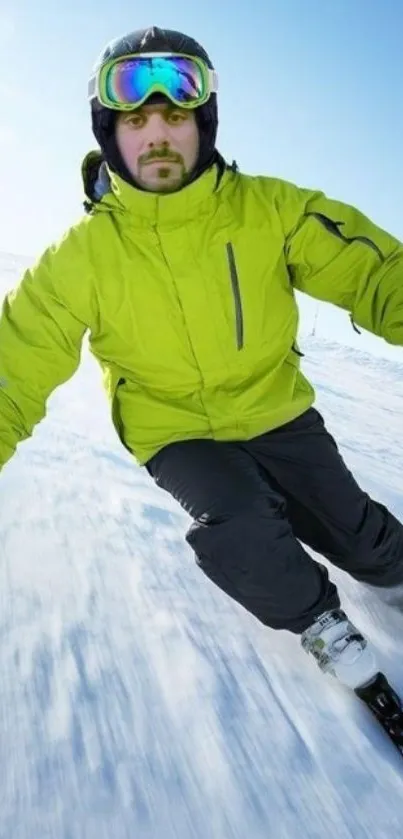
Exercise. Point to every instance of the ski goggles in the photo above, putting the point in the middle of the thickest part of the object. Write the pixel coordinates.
(123, 84)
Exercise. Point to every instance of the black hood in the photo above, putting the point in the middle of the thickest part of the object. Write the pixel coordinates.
(104, 119)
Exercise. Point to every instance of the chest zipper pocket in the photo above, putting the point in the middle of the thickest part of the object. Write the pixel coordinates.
(236, 291)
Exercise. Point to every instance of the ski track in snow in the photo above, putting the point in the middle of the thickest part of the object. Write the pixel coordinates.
(138, 700)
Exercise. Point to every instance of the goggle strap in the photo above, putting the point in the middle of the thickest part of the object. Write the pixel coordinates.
(213, 78)
(92, 88)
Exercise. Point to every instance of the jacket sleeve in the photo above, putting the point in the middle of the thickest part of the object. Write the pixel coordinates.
(40, 342)
(336, 254)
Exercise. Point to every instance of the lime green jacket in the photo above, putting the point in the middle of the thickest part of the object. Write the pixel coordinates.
(188, 300)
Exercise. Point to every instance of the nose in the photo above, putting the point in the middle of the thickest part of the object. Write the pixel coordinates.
(157, 131)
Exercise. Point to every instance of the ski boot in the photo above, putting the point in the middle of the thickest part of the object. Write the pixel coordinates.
(340, 649)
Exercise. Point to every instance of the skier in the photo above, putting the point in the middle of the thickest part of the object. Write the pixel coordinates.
(183, 272)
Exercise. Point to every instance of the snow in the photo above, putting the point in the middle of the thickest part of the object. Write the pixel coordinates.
(135, 698)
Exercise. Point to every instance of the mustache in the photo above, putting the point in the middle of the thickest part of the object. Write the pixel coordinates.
(163, 153)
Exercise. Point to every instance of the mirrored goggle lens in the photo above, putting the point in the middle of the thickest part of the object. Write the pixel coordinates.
(131, 80)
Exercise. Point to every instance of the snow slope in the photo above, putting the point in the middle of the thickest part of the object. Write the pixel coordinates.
(136, 700)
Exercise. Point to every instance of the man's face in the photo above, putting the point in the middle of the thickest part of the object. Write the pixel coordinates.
(159, 144)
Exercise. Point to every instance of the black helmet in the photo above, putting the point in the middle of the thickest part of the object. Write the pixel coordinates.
(104, 119)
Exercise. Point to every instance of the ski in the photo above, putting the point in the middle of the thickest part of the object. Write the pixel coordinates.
(386, 706)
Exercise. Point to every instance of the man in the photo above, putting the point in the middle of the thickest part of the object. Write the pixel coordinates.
(183, 272)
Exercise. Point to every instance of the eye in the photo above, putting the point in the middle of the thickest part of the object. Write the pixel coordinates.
(176, 117)
(135, 120)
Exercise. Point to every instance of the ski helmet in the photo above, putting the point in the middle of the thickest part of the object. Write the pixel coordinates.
(104, 119)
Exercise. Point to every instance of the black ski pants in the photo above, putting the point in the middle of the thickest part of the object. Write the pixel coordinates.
(253, 503)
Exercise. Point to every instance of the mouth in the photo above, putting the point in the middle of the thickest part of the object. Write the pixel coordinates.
(161, 160)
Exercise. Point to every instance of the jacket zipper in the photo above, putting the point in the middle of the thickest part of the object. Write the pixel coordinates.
(297, 351)
(334, 228)
(237, 295)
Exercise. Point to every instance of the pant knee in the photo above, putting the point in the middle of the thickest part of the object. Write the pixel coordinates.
(257, 561)
(248, 538)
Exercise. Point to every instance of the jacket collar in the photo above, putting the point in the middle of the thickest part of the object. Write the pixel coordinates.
(172, 208)
(109, 192)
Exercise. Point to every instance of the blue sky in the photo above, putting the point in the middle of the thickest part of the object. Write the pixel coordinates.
(310, 91)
